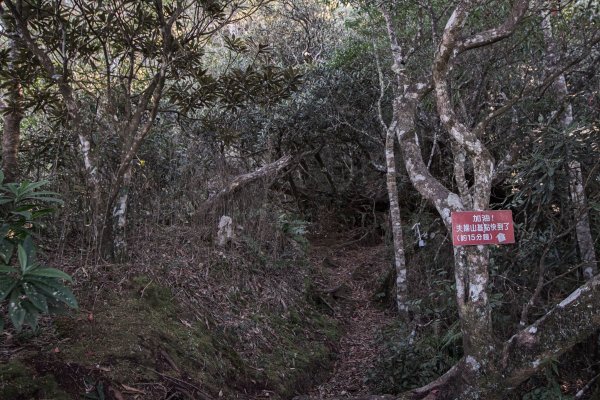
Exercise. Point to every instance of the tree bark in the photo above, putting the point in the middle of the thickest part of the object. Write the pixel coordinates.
(12, 111)
(396, 222)
(119, 240)
(392, 189)
(10, 140)
(470, 263)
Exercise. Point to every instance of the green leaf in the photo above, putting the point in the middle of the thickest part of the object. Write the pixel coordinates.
(16, 312)
(4, 229)
(57, 291)
(50, 273)
(6, 287)
(7, 269)
(29, 248)
(6, 250)
(25, 214)
(22, 254)
(35, 297)
(31, 315)
(28, 187)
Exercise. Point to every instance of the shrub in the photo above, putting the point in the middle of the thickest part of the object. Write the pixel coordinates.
(29, 288)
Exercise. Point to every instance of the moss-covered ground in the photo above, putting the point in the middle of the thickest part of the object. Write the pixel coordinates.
(148, 338)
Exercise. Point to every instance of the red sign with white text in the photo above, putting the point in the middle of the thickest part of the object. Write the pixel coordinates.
(471, 228)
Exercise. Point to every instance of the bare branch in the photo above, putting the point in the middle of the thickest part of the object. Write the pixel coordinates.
(493, 35)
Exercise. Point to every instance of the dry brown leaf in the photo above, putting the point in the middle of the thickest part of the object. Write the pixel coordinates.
(130, 389)
(186, 323)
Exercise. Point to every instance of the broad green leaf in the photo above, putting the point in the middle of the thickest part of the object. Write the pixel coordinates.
(16, 312)
(27, 187)
(41, 212)
(31, 315)
(7, 269)
(25, 214)
(58, 291)
(29, 248)
(24, 207)
(50, 273)
(12, 188)
(35, 297)
(22, 255)
(6, 287)
(44, 195)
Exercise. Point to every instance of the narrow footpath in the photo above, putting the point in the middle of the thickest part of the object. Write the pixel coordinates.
(352, 274)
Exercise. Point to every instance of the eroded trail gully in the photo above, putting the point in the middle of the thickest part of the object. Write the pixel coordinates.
(351, 275)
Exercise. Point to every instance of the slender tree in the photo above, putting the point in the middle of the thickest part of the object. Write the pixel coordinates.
(585, 241)
(488, 368)
(12, 106)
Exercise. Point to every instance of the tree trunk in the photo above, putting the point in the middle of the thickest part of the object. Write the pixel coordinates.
(471, 263)
(119, 241)
(12, 114)
(73, 109)
(399, 258)
(10, 145)
(585, 241)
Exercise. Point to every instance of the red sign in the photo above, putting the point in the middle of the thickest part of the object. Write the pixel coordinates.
(482, 227)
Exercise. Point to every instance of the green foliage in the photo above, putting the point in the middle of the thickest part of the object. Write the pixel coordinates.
(96, 390)
(408, 361)
(538, 192)
(22, 205)
(551, 391)
(29, 288)
(294, 228)
(32, 290)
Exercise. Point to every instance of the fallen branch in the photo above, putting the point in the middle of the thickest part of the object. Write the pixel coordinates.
(241, 181)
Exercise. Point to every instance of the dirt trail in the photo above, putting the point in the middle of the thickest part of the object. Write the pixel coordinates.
(352, 274)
